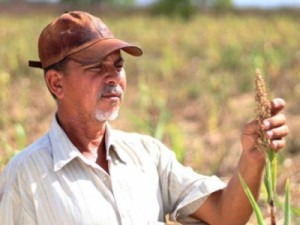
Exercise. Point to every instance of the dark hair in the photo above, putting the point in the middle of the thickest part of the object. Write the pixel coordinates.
(60, 66)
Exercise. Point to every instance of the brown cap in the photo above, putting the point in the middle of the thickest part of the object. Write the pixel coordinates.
(79, 36)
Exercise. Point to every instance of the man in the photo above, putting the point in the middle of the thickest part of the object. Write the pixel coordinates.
(84, 172)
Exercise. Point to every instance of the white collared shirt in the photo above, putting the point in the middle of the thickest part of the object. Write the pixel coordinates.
(52, 183)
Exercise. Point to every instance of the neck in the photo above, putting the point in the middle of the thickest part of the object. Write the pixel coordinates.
(87, 136)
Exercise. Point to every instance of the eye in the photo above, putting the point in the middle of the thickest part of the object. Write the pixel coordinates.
(96, 68)
(119, 66)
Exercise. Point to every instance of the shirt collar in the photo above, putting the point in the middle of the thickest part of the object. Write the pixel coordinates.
(112, 143)
(64, 151)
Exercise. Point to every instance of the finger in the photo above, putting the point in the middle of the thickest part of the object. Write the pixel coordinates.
(277, 105)
(277, 133)
(274, 121)
(278, 144)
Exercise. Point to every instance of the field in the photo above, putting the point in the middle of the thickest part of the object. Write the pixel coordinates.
(193, 88)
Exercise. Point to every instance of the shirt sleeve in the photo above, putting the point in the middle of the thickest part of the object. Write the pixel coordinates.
(183, 189)
(12, 211)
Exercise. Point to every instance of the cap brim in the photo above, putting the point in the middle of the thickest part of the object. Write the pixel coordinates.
(97, 51)
(101, 49)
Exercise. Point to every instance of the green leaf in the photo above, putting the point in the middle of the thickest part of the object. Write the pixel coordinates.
(287, 206)
(272, 157)
(268, 180)
(274, 172)
(20, 136)
(257, 211)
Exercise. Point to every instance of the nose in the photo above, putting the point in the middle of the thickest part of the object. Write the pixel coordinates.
(114, 76)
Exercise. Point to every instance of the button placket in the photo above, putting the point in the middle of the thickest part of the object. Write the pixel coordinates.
(120, 196)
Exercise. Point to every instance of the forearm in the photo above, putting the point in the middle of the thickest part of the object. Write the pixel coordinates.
(231, 206)
(235, 207)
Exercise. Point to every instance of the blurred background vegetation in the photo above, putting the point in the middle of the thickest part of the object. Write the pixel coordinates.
(193, 88)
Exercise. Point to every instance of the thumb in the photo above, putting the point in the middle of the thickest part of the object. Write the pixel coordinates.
(250, 135)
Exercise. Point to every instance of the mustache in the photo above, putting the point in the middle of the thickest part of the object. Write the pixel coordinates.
(111, 90)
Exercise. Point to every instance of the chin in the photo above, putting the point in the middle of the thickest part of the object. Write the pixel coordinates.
(102, 116)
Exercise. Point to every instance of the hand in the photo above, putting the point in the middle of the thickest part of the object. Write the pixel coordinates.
(275, 128)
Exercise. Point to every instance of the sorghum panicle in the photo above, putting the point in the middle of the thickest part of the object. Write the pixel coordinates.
(263, 107)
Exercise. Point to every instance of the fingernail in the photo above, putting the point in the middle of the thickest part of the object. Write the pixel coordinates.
(269, 133)
(276, 103)
(266, 124)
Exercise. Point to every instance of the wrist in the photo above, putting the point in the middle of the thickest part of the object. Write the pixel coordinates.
(252, 163)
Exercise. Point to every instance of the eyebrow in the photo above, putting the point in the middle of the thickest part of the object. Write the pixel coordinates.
(118, 60)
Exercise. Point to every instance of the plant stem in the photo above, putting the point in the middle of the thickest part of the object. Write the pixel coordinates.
(272, 214)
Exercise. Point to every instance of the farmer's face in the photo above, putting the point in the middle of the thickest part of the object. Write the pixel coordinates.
(94, 91)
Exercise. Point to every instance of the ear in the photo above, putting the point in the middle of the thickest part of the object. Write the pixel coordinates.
(53, 80)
